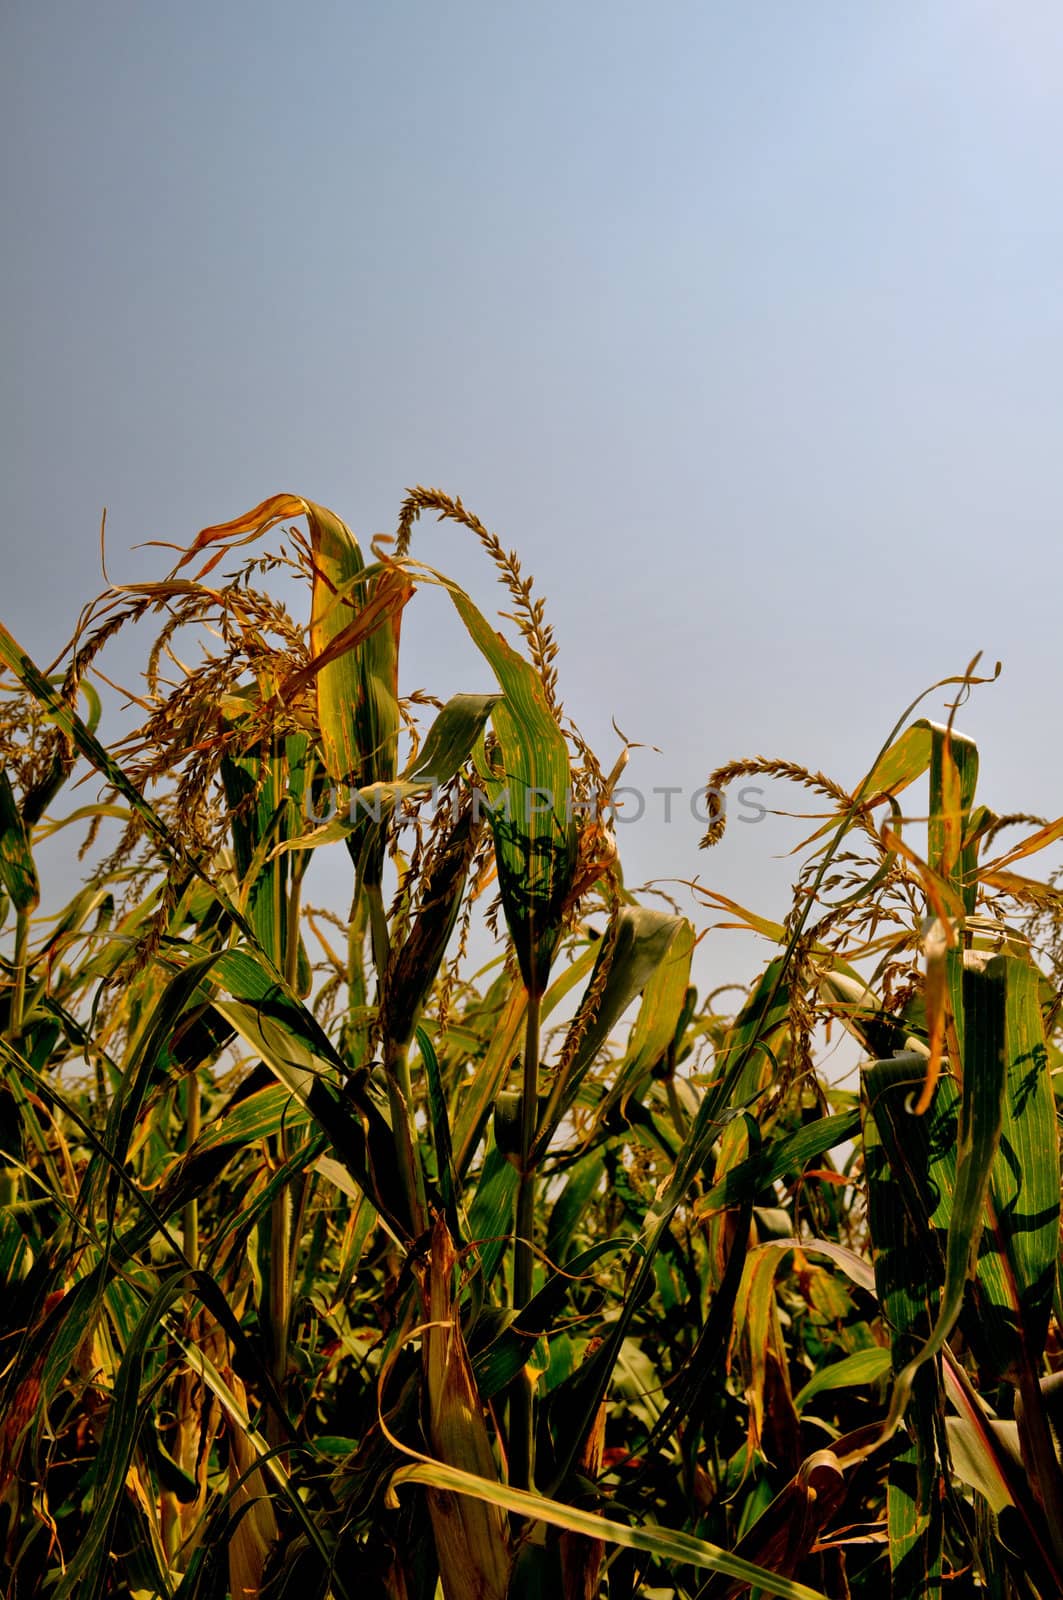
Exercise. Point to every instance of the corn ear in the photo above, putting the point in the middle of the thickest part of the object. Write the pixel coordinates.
(472, 1537)
(257, 1530)
(581, 1558)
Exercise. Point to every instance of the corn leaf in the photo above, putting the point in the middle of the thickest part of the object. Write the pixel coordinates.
(783, 1535)
(862, 1367)
(664, 1001)
(264, 809)
(530, 795)
(292, 1044)
(17, 871)
(1012, 1293)
(644, 952)
(671, 1548)
(481, 1095)
(906, 759)
(472, 1536)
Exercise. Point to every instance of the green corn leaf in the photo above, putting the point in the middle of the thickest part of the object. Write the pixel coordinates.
(149, 1061)
(777, 1158)
(914, 1495)
(530, 797)
(953, 778)
(291, 1042)
(673, 1549)
(357, 690)
(864, 1016)
(16, 1252)
(440, 1120)
(481, 1095)
(501, 1360)
(862, 1367)
(260, 1116)
(451, 739)
(1010, 1296)
(981, 1466)
(17, 871)
(762, 1017)
(581, 1185)
(645, 952)
(449, 743)
(980, 1120)
(899, 1149)
(492, 1211)
(262, 789)
(905, 761)
(748, 1059)
(1012, 1293)
(664, 1004)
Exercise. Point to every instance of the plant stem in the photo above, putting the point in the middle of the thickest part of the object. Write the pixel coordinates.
(403, 1133)
(280, 1252)
(1039, 1451)
(18, 991)
(524, 1255)
(522, 1400)
(293, 914)
(378, 932)
(190, 1219)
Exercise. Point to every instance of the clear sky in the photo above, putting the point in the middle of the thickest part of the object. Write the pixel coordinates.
(742, 322)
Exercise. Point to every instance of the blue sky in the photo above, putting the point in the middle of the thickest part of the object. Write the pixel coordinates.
(742, 323)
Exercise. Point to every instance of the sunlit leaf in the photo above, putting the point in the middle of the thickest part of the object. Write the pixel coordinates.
(664, 1544)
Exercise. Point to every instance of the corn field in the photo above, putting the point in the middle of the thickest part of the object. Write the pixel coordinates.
(333, 1272)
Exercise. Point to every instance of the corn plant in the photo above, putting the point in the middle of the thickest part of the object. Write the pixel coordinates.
(330, 1269)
